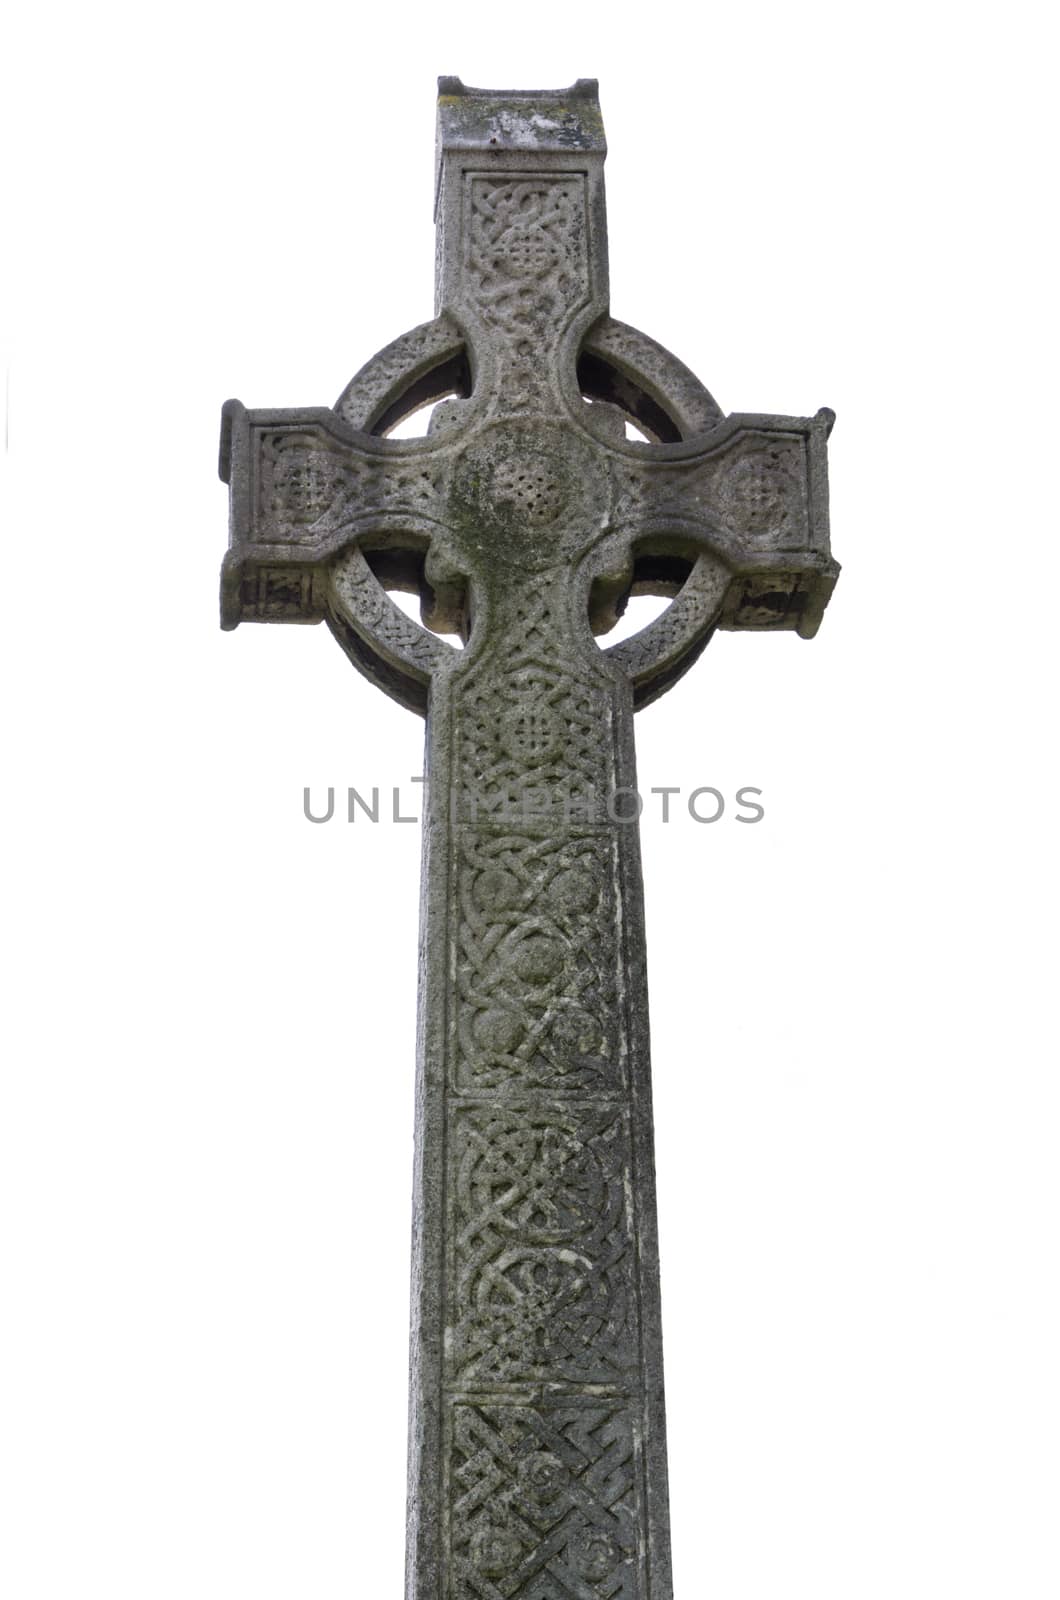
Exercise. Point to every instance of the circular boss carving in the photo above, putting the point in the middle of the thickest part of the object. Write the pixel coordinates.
(530, 734)
(532, 485)
(543, 1476)
(593, 1553)
(757, 493)
(526, 253)
(524, 494)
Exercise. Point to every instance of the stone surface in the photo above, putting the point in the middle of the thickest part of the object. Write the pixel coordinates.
(524, 520)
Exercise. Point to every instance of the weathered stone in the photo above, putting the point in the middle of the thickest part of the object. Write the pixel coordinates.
(524, 520)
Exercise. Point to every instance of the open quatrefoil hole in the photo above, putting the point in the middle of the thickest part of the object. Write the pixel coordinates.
(657, 581)
(416, 424)
(409, 415)
(401, 573)
(637, 435)
(646, 420)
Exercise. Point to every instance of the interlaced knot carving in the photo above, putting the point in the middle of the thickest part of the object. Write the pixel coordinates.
(544, 1503)
(526, 255)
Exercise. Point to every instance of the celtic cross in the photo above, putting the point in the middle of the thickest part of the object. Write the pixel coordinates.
(524, 520)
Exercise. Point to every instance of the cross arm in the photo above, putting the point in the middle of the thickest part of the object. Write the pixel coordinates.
(322, 520)
(733, 525)
(754, 495)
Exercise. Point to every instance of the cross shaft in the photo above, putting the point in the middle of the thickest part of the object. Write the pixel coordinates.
(524, 519)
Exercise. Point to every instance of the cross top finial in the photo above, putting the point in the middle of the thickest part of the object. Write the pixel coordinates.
(492, 120)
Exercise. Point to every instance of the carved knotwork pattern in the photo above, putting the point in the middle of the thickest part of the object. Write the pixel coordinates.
(543, 1264)
(300, 483)
(310, 486)
(374, 614)
(753, 492)
(761, 493)
(393, 368)
(533, 744)
(678, 626)
(534, 736)
(527, 261)
(542, 1503)
(538, 989)
(277, 594)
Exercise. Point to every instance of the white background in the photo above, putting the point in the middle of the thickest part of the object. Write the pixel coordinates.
(208, 1089)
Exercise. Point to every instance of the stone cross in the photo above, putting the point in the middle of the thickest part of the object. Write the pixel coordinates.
(524, 520)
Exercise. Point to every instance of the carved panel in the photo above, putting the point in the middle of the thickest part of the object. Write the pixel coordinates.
(762, 492)
(535, 725)
(277, 594)
(534, 745)
(526, 261)
(753, 492)
(545, 1503)
(310, 485)
(542, 1281)
(525, 274)
(538, 1000)
(300, 481)
(773, 600)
